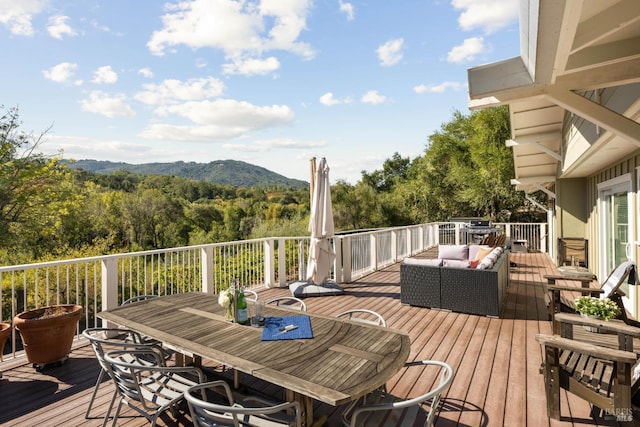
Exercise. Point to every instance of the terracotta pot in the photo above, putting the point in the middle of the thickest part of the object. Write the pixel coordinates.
(48, 340)
(5, 333)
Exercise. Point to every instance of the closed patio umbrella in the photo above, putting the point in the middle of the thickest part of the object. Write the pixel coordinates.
(321, 253)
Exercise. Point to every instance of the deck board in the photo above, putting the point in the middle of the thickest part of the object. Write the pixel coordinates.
(496, 361)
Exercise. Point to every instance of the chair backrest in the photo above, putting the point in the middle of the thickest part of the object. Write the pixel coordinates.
(364, 316)
(250, 295)
(142, 378)
(138, 298)
(290, 302)
(250, 412)
(434, 395)
(125, 368)
(617, 277)
(104, 340)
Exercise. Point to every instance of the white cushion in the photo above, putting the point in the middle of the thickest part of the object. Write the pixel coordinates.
(485, 264)
(423, 261)
(455, 263)
(459, 252)
(473, 250)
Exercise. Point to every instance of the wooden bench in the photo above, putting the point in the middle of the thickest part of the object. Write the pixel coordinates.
(598, 367)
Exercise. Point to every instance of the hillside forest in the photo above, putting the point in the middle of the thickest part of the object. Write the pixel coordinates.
(51, 211)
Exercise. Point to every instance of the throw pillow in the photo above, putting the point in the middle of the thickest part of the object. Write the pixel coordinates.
(482, 252)
(474, 263)
(473, 250)
(459, 252)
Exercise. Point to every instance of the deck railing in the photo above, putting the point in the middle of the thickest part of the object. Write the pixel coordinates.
(103, 282)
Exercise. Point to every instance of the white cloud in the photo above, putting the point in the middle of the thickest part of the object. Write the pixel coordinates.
(61, 73)
(17, 15)
(390, 53)
(105, 75)
(172, 91)
(250, 66)
(218, 120)
(146, 72)
(348, 9)
(266, 145)
(108, 105)
(328, 99)
(441, 88)
(243, 30)
(58, 27)
(467, 51)
(373, 97)
(490, 15)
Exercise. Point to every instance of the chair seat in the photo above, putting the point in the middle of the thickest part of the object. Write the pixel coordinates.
(160, 389)
(593, 373)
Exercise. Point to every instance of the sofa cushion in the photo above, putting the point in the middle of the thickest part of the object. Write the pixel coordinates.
(455, 263)
(459, 252)
(423, 261)
(485, 264)
(483, 252)
(473, 251)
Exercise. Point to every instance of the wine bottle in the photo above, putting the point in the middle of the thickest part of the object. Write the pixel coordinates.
(242, 308)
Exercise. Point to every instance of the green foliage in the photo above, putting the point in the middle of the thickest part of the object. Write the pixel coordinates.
(48, 210)
(228, 172)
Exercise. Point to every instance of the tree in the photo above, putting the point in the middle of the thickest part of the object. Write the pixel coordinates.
(32, 194)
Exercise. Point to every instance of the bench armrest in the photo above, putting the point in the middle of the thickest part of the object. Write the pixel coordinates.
(612, 354)
(611, 326)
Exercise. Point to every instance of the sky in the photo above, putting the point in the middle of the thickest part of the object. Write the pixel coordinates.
(268, 82)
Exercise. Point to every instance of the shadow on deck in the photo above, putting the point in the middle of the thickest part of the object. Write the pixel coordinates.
(496, 361)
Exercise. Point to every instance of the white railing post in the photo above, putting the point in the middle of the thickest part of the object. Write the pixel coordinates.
(109, 283)
(409, 249)
(338, 266)
(457, 231)
(507, 231)
(346, 259)
(421, 238)
(543, 239)
(394, 245)
(206, 264)
(282, 264)
(269, 263)
(373, 261)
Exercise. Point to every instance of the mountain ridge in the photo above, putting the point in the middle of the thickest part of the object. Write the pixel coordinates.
(230, 172)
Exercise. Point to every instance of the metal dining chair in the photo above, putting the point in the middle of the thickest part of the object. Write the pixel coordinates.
(103, 340)
(289, 302)
(396, 411)
(251, 411)
(149, 389)
(363, 315)
(137, 298)
(250, 295)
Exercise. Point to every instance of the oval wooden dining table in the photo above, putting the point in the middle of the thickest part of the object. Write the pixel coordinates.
(343, 361)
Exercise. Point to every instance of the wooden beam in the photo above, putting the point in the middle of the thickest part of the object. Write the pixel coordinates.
(607, 75)
(609, 21)
(596, 113)
(604, 54)
(532, 141)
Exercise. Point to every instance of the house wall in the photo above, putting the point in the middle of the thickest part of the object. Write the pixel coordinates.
(571, 209)
(629, 165)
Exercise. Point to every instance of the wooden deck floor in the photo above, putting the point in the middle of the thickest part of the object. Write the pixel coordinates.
(496, 361)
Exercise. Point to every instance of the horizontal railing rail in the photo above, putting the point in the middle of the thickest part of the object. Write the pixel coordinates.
(103, 282)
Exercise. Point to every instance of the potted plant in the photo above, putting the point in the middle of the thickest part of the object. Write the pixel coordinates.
(47, 332)
(594, 307)
(5, 333)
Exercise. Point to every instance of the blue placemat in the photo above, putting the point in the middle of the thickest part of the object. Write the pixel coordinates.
(273, 325)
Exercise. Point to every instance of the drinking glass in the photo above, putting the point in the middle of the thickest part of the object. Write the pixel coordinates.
(256, 313)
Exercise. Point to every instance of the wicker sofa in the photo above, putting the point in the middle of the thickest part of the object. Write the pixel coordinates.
(436, 283)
